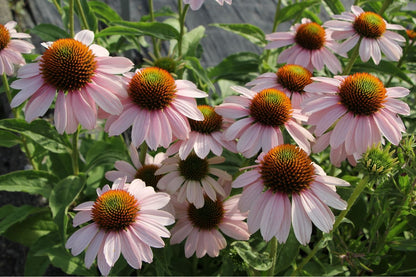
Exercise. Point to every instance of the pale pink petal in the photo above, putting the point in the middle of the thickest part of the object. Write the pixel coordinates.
(396, 92)
(232, 110)
(85, 36)
(81, 217)
(397, 106)
(187, 107)
(86, 206)
(328, 196)
(272, 214)
(365, 49)
(348, 44)
(302, 225)
(155, 131)
(105, 99)
(125, 167)
(341, 129)
(60, 114)
(375, 51)
(129, 248)
(256, 212)
(93, 248)
(331, 62)
(112, 248)
(28, 91)
(237, 128)
(279, 43)
(141, 126)
(235, 229)
(147, 234)
(114, 65)
(179, 124)
(81, 238)
(124, 121)
(40, 102)
(249, 196)
(99, 51)
(390, 49)
(318, 212)
(244, 91)
(166, 137)
(191, 243)
(329, 118)
(84, 113)
(387, 128)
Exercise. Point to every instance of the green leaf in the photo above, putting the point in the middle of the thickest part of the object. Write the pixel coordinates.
(49, 32)
(8, 139)
(104, 12)
(36, 265)
(235, 67)
(51, 247)
(11, 215)
(164, 11)
(292, 11)
(404, 245)
(30, 181)
(89, 15)
(259, 261)
(385, 67)
(62, 195)
(33, 227)
(39, 131)
(336, 6)
(253, 33)
(191, 41)
(155, 29)
(287, 253)
(193, 64)
(99, 153)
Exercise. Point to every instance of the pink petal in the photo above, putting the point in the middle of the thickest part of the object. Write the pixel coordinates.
(60, 114)
(81, 239)
(81, 217)
(84, 113)
(93, 248)
(341, 129)
(105, 99)
(302, 225)
(140, 128)
(112, 248)
(124, 121)
(39, 103)
(85, 36)
(231, 110)
(328, 196)
(318, 212)
(113, 65)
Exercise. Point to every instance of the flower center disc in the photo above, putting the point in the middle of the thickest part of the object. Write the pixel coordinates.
(152, 88)
(68, 65)
(271, 107)
(212, 121)
(362, 93)
(147, 175)
(115, 210)
(4, 37)
(294, 77)
(310, 36)
(193, 168)
(370, 25)
(287, 169)
(208, 217)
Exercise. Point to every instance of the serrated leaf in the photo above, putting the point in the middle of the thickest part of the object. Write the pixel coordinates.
(195, 66)
(104, 12)
(61, 197)
(40, 131)
(30, 181)
(235, 67)
(8, 139)
(10, 215)
(49, 32)
(253, 33)
(259, 261)
(154, 29)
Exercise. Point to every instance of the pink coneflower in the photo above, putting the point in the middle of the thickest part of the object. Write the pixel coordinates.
(158, 108)
(361, 108)
(290, 78)
(11, 49)
(191, 178)
(205, 136)
(81, 73)
(201, 226)
(144, 172)
(260, 116)
(310, 49)
(196, 4)
(373, 31)
(287, 172)
(126, 219)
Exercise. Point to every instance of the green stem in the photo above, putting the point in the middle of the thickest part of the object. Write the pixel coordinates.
(402, 59)
(71, 18)
(276, 16)
(82, 15)
(353, 58)
(75, 156)
(356, 192)
(154, 40)
(273, 254)
(142, 153)
(383, 8)
(182, 15)
(58, 7)
(7, 88)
